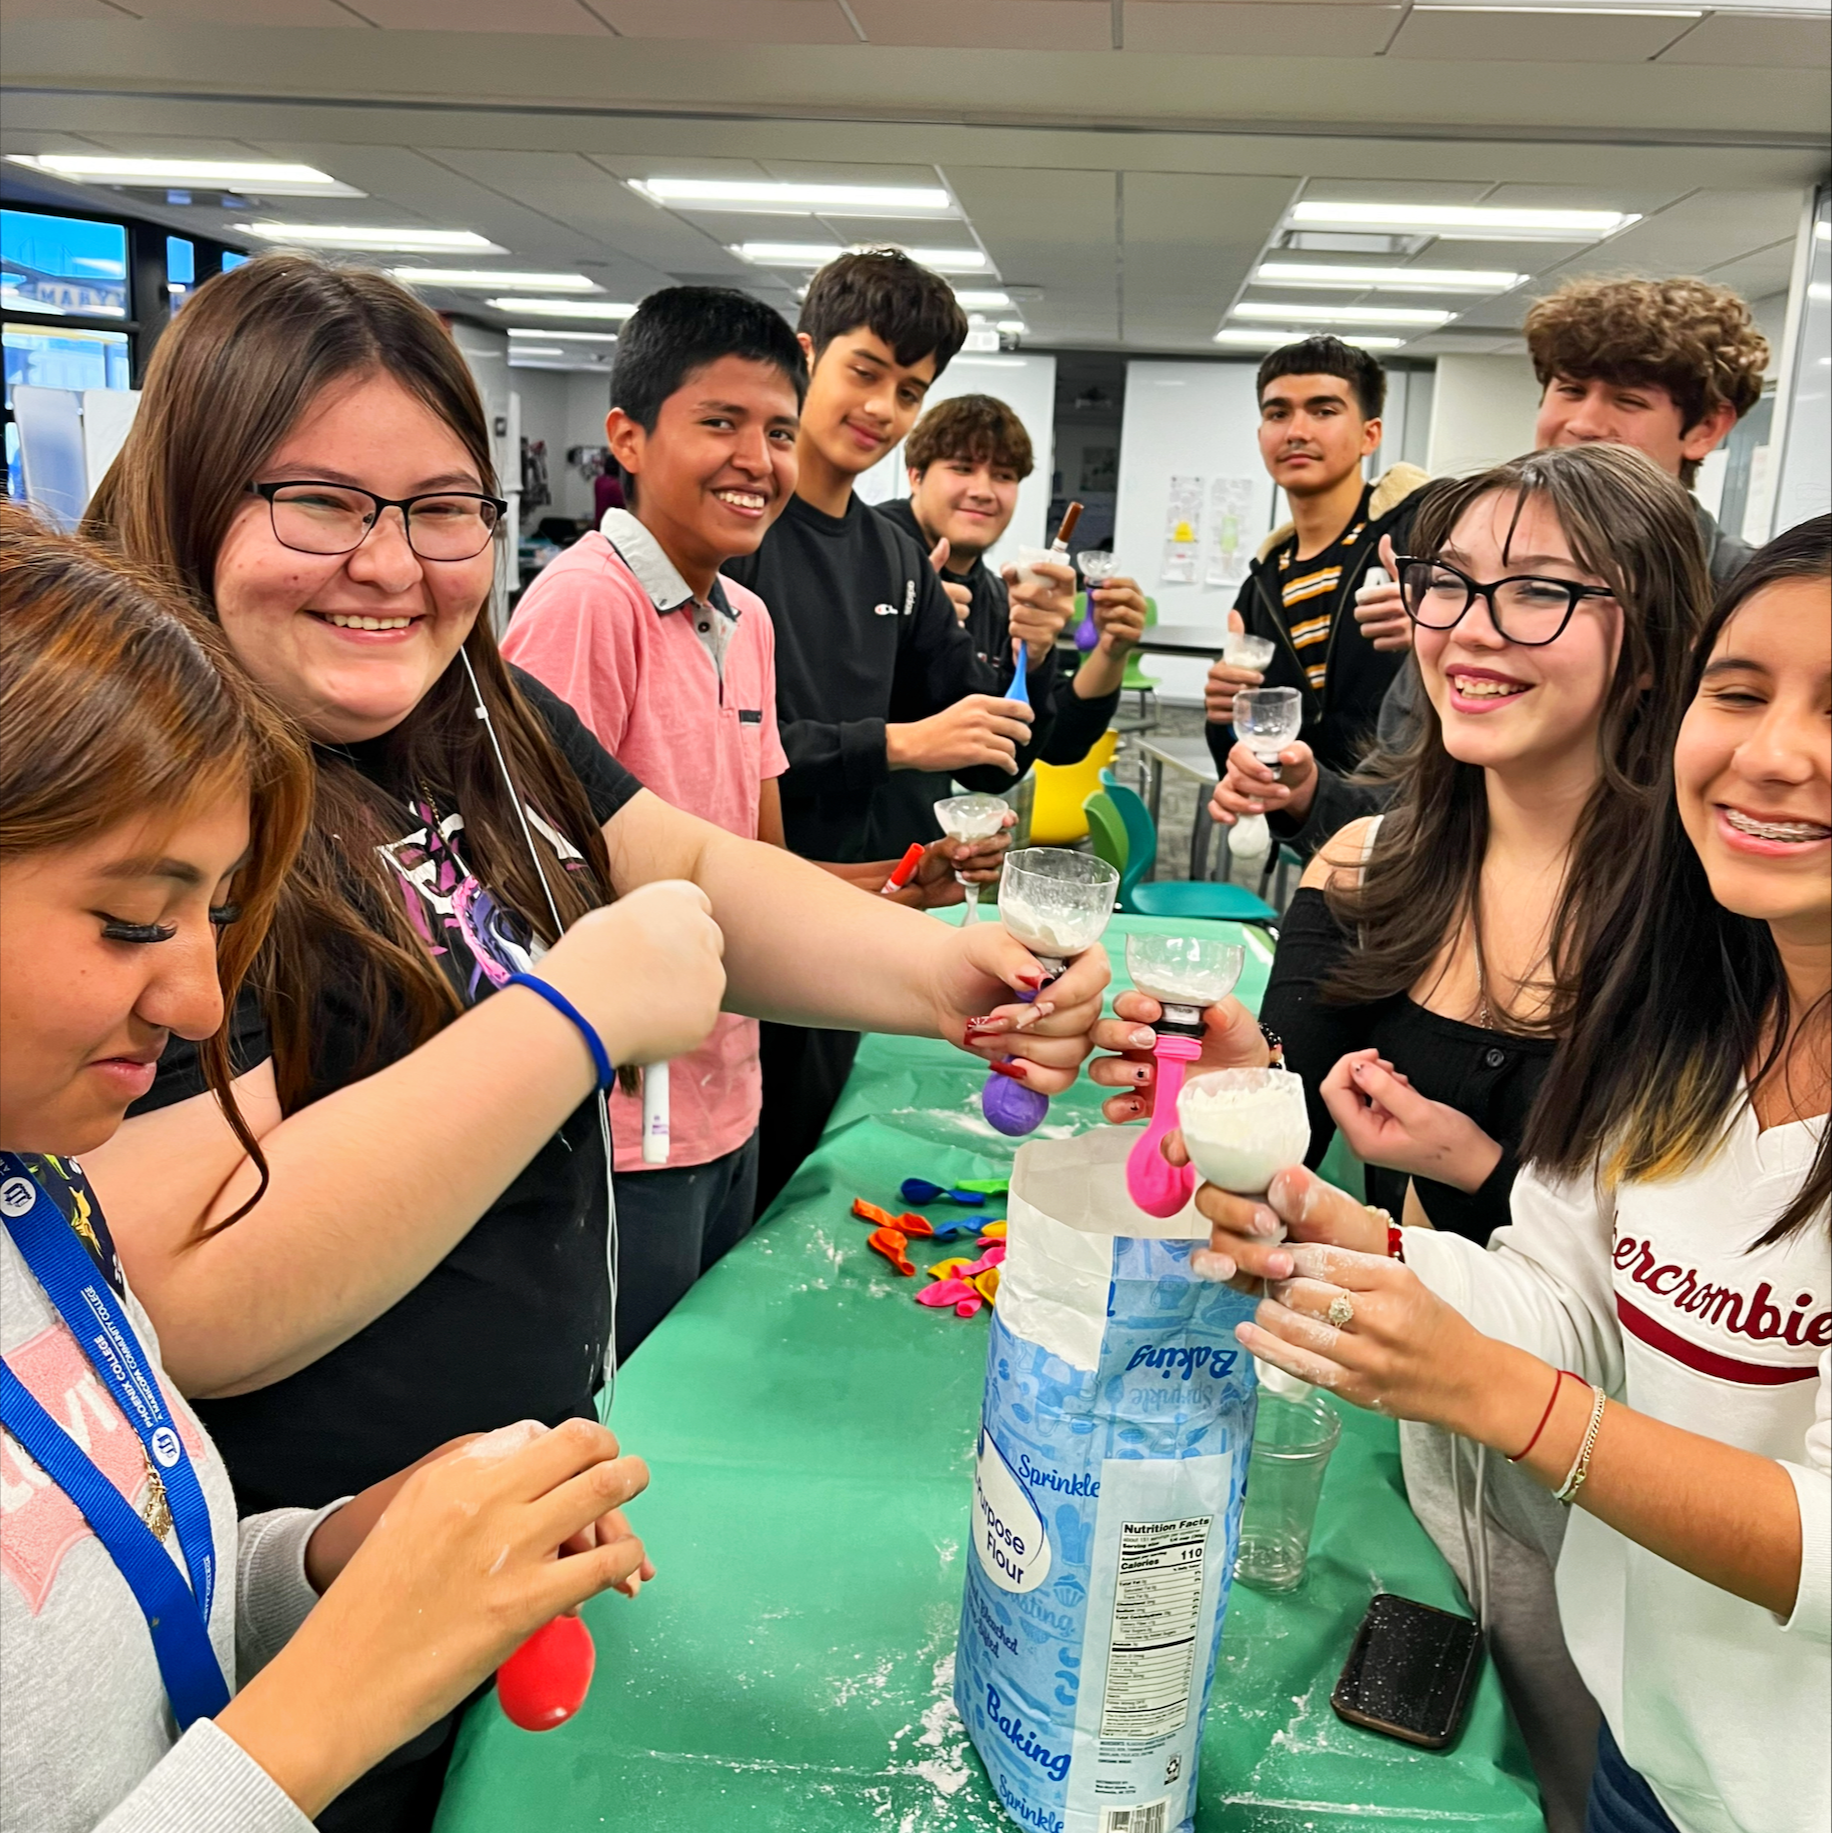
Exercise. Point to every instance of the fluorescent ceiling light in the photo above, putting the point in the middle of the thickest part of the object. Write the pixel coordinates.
(794, 199)
(1341, 315)
(557, 336)
(537, 350)
(1467, 222)
(361, 235)
(1386, 279)
(1243, 337)
(1015, 326)
(479, 277)
(258, 175)
(563, 308)
(970, 300)
(1596, 12)
(818, 254)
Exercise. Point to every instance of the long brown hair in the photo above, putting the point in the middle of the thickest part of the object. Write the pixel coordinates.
(252, 352)
(1632, 526)
(1684, 1005)
(118, 701)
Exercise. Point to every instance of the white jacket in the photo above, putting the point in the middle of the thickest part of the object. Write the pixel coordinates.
(1657, 1296)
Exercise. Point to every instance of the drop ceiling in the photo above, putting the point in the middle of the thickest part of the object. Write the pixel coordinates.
(1124, 164)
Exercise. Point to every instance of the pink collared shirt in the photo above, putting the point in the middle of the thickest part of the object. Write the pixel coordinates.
(682, 692)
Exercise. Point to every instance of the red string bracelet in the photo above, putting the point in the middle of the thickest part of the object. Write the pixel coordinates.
(1559, 1376)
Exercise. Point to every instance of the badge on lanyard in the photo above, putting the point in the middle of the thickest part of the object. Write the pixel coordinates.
(177, 1615)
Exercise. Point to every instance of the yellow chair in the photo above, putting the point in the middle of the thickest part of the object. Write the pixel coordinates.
(1056, 814)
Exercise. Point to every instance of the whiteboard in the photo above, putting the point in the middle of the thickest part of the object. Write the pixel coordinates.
(1027, 385)
(1186, 421)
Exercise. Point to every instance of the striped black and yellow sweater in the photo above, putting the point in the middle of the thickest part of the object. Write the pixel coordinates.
(1307, 607)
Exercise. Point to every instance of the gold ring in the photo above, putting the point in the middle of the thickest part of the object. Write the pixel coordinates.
(1341, 1311)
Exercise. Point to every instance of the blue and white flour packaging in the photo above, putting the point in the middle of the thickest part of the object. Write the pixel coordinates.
(1109, 1475)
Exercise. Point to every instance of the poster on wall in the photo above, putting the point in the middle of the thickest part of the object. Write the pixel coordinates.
(1183, 518)
(1229, 547)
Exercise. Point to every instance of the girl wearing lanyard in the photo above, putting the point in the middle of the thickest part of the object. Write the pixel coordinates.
(150, 804)
(311, 457)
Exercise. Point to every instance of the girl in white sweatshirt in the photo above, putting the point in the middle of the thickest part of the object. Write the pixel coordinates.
(149, 809)
(1649, 1336)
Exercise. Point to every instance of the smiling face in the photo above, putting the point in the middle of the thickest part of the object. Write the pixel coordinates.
(1312, 434)
(1639, 414)
(967, 501)
(1751, 766)
(861, 399)
(106, 949)
(350, 643)
(719, 466)
(1504, 705)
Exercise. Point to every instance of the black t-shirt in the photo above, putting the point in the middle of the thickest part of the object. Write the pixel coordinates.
(1492, 1076)
(513, 1323)
(865, 637)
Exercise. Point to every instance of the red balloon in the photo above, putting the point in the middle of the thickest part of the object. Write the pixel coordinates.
(547, 1679)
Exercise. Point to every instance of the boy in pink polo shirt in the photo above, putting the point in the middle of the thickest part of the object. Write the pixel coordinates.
(673, 669)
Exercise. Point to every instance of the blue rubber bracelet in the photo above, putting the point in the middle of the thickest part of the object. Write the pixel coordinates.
(561, 1004)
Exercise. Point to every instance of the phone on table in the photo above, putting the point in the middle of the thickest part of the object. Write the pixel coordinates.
(1410, 1671)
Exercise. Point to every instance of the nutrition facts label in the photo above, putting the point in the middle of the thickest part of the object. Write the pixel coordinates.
(1158, 1588)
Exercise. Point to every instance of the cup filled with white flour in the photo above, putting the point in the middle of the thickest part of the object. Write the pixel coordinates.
(1242, 1125)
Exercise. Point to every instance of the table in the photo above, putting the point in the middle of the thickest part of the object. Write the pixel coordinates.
(1190, 755)
(810, 1432)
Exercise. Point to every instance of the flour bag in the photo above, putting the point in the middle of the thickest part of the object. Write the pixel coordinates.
(1108, 1481)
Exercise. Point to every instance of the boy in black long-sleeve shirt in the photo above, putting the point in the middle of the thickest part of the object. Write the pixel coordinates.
(875, 674)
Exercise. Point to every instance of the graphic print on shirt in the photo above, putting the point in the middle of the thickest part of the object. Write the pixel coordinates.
(446, 902)
(1712, 1310)
(39, 1524)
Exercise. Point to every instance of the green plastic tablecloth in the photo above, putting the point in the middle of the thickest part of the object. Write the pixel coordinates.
(810, 1435)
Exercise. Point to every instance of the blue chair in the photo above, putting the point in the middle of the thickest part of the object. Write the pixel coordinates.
(1174, 898)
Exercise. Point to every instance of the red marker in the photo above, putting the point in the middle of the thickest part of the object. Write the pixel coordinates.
(905, 870)
(547, 1679)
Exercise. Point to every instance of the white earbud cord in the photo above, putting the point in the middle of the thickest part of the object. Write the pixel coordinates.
(604, 1110)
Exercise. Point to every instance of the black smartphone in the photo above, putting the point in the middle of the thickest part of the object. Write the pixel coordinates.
(1409, 1672)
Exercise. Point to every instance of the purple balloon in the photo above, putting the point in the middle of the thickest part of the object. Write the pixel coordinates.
(1012, 1108)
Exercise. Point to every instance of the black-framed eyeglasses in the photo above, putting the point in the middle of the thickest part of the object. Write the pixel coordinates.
(1526, 608)
(314, 517)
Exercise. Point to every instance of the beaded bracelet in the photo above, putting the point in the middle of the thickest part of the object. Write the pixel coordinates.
(1276, 1046)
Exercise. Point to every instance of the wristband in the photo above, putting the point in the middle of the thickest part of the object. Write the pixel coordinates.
(601, 1060)
(1559, 1381)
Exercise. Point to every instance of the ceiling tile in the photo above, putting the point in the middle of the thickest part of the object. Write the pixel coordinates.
(1292, 28)
(1768, 40)
(757, 22)
(979, 25)
(244, 12)
(1190, 241)
(18, 12)
(567, 17)
(1541, 38)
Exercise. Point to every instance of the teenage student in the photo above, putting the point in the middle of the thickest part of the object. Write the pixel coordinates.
(430, 1252)
(672, 670)
(1320, 417)
(150, 804)
(1665, 366)
(1443, 942)
(1668, 1248)
(875, 674)
(965, 460)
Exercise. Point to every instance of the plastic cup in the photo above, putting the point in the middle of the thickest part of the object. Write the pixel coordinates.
(1267, 719)
(1293, 1440)
(1030, 558)
(1243, 651)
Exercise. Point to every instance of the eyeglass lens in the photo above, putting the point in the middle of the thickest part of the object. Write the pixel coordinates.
(1525, 610)
(322, 519)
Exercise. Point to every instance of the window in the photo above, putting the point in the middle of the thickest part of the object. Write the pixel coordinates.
(232, 259)
(62, 266)
(180, 269)
(46, 356)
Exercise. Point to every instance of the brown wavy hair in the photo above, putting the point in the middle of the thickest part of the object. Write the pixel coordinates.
(117, 702)
(1683, 1005)
(1695, 340)
(252, 352)
(1632, 526)
(977, 429)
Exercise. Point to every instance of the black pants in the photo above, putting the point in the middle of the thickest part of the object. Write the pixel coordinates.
(804, 1072)
(672, 1224)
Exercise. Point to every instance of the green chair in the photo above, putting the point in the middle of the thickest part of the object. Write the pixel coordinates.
(1120, 825)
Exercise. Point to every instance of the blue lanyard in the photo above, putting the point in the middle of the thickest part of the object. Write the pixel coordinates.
(177, 1616)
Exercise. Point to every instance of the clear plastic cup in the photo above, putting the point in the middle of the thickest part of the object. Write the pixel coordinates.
(1030, 558)
(1056, 902)
(1267, 719)
(1239, 650)
(1293, 1440)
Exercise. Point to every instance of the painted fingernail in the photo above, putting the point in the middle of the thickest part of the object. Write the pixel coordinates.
(1142, 1072)
(1033, 981)
(1014, 1070)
